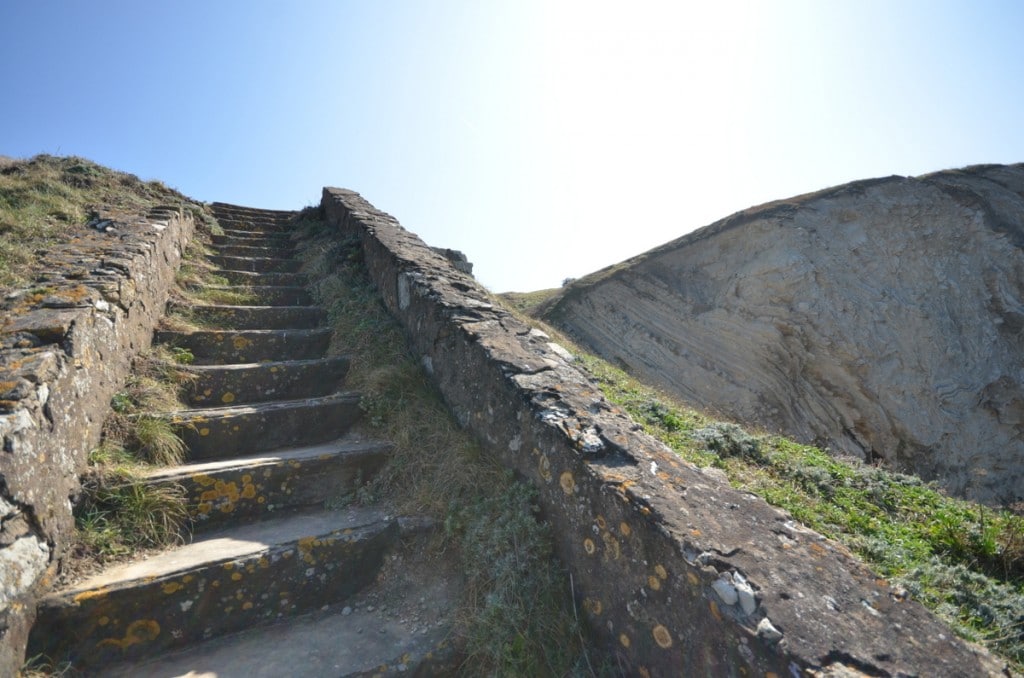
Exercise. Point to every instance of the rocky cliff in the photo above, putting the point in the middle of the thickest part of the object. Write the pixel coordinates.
(882, 318)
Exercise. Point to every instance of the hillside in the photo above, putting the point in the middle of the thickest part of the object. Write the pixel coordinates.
(882, 319)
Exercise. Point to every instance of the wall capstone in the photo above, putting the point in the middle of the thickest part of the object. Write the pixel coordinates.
(66, 346)
(675, 571)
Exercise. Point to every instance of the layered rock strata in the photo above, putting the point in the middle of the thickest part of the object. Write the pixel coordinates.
(883, 319)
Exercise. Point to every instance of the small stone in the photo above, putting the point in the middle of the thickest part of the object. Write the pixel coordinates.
(726, 591)
(745, 593)
(346, 611)
(767, 631)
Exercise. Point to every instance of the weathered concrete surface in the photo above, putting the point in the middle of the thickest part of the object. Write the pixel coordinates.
(218, 432)
(253, 382)
(65, 347)
(676, 571)
(229, 580)
(882, 319)
(254, 487)
(249, 346)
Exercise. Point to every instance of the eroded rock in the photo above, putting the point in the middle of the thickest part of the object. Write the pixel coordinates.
(883, 319)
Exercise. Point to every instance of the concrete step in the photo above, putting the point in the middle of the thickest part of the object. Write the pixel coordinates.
(220, 432)
(221, 583)
(232, 237)
(248, 346)
(258, 382)
(256, 487)
(232, 209)
(255, 317)
(254, 224)
(250, 278)
(261, 250)
(256, 264)
(400, 624)
(273, 295)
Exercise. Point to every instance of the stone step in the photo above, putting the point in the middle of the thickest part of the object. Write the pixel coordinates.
(220, 432)
(260, 486)
(237, 384)
(221, 583)
(248, 237)
(255, 317)
(249, 278)
(248, 346)
(256, 264)
(255, 251)
(400, 625)
(254, 224)
(229, 208)
(273, 295)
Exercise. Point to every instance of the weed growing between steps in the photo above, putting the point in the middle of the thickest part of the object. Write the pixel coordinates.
(962, 560)
(46, 200)
(117, 513)
(517, 618)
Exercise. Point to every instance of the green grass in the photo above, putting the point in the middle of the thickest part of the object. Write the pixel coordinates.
(962, 560)
(47, 200)
(517, 618)
(526, 302)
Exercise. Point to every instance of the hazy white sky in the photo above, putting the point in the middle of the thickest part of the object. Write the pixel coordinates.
(545, 139)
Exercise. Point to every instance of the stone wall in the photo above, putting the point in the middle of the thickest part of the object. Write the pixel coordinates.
(65, 347)
(674, 570)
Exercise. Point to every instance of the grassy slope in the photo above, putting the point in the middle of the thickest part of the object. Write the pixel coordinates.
(46, 199)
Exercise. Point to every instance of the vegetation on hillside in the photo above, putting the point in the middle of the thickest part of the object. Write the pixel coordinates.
(962, 560)
(47, 199)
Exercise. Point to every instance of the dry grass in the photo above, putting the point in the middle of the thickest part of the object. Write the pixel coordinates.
(517, 617)
(46, 200)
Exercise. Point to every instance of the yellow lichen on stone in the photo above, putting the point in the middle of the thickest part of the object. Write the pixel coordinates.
(240, 342)
(141, 631)
(172, 587)
(653, 582)
(624, 640)
(228, 397)
(661, 571)
(612, 550)
(544, 468)
(625, 529)
(589, 546)
(89, 595)
(662, 637)
(567, 482)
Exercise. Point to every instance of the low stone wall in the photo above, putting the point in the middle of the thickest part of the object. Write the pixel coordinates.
(674, 569)
(66, 346)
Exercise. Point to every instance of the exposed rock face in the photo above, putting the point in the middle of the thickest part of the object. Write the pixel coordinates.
(883, 318)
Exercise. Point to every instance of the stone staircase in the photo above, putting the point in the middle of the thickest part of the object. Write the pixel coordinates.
(270, 452)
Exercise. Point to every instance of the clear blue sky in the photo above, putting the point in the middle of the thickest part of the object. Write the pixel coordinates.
(545, 138)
